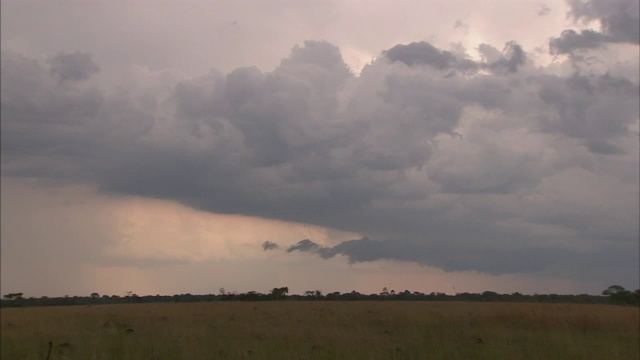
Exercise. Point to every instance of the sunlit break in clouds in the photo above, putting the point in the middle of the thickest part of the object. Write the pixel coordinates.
(445, 146)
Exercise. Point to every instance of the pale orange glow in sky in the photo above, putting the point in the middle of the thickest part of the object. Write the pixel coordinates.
(164, 248)
(163, 230)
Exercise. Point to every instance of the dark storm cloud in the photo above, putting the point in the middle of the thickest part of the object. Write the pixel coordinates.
(619, 23)
(494, 261)
(589, 107)
(491, 261)
(73, 67)
(47, 124)
(460, 158)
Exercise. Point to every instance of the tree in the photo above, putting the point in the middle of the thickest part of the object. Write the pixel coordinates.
(95, 295)
(14, 296)
(619, 295)
(614, 290)
(279, 292)
(313, 293)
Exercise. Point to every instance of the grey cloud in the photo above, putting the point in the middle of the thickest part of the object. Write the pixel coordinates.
(73, 67)
(619, 23)
(488, 171)
(508, 60)
(305, 245)
(489, 53)
(423, 53)
(514, 57)
(493, 261)
(318, 62)
(604, 148)
(459, 24)
(589, 107)
(44, 120)
(571, 40)
(376, 153)
(420, 53)
(268, 245)
(543, 10)
(619, 19)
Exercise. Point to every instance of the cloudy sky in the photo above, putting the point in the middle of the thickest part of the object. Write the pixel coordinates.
(167, 147)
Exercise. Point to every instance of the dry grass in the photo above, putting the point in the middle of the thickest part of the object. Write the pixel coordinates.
(323, 330)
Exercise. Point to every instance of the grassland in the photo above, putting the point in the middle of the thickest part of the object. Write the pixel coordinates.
(323, 330)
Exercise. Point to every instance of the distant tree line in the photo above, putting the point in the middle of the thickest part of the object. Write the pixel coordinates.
(612, 295)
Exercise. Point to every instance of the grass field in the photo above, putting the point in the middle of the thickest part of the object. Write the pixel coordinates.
(323, 330)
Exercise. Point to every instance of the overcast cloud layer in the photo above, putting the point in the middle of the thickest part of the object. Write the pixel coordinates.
(497, 165)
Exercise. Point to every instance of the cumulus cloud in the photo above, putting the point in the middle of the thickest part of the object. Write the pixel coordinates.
(444, 160)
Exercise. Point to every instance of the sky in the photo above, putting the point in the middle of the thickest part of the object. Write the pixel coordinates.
(169, 147)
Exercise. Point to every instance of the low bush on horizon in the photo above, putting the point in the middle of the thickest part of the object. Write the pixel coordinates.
(322, 330)
(614, 294)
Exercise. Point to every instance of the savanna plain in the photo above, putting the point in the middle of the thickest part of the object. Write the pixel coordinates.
(322, 330)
